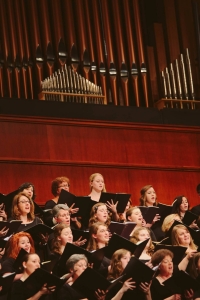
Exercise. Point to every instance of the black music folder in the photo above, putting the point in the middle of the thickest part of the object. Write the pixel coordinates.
(37, 230)
(7, 200)
(122, 199)
(89, 282)
(37, 279)
(117, 242)
(83, 234)
(94, 257)
(122, 229)
(84, 203)
(6, 283)
(189, 217)
(178, 251)
(181, 281)
(138, 271)
(18, 261)
(149, 212)
(165, 210)
(13, 226)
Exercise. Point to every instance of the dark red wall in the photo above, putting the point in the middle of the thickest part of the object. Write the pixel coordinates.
(128, 155)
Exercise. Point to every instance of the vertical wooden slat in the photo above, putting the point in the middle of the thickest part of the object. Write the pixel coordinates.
(36, 42)
(58, 32)
(27, 59)
(120, 51)
(140, 49)
(21, 49)
(99, 47)
(90, 42)
(131, 51)
(6, 48)
(70, 35)
(171, 30)
(81, 29)
(46, 37)
(110, 49)
(186, 31)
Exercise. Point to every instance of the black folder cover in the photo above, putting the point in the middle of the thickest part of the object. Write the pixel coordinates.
(117, 242)
(178, 251)
(122, 229)
(94, 257)
(84, 203)
(138, 271)
(122, 199)
(37, 279)
(181, 281)
(13, 226)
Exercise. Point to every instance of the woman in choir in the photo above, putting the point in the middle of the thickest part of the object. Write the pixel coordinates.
(141, 234)
(134, 215)
(118, 263)
(97, 185)
(194, 271)
(148, 197)
(168, 222)
(180, 206)
(28, 189)
(18, 241)
(181, 236)
(23, 210)
(62, 236)
(30, 263)
(163, 259)
(99, 213)
(57, 185)
(122, 216)
(98, 236)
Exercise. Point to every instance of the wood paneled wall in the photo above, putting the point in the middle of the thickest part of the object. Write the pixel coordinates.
(128, 155)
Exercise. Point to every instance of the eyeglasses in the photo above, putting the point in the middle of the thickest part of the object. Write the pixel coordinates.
(64, 186)
(24, 201)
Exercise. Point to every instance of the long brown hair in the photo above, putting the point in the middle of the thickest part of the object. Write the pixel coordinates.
(143, 196)
(92, 242)
(93, 218)
(56, 243)
(15, 210)
(116, 268)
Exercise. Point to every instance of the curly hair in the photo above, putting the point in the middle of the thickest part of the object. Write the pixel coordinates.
(143, 196)
(93, 218)
(56, 243)
(92, 242)
(12, 248)
(56, 182)
(135, 239)
(15, 212)
(116, 268)
(159, 255)
(92, 177)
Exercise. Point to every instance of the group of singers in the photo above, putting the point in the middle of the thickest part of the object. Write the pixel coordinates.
(162, 235)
